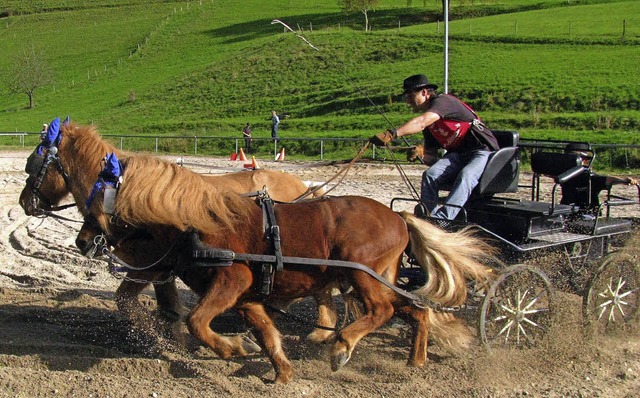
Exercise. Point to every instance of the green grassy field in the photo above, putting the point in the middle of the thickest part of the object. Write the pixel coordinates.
(206, 67)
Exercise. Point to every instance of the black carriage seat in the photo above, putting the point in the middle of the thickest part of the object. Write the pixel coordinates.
(503, 168)
(561, 167)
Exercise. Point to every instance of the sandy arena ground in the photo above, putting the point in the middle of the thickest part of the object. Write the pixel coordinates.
(61, 335)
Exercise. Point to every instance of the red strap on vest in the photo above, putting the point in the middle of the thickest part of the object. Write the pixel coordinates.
(450, 133)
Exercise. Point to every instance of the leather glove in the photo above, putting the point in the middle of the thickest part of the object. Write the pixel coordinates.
(383, 138)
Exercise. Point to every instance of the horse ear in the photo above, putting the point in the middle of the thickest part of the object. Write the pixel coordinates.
(112, 169)
(66, 121)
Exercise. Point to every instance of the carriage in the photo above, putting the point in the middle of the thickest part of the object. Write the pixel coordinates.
(546, 248)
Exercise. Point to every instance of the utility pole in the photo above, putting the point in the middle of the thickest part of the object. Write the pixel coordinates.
(445, 6)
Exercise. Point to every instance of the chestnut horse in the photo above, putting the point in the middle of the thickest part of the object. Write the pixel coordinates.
(80, 152)
(170, 202)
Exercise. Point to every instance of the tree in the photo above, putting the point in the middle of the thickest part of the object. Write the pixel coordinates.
(30, 72)
(360, 5)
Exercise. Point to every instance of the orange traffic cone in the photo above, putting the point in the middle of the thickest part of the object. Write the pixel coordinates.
(234, 156)
(242, 156)
(280, 156)
(252, 165)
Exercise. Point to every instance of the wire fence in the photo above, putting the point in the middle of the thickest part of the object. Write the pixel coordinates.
(609, 156)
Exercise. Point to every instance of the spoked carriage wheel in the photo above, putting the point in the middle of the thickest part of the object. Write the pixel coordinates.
(612, 299)
(517, 309)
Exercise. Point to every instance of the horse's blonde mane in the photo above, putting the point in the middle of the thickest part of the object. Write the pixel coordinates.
(81, 151)
(155, 191)
(85, 140)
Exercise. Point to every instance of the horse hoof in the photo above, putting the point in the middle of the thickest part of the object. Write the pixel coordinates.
(249, 346)
(339, 360)
(283, 378)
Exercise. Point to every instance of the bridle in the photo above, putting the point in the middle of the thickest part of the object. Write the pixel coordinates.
(37, 166)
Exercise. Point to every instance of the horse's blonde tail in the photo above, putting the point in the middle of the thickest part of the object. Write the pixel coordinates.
(449, 332)
(450, 259)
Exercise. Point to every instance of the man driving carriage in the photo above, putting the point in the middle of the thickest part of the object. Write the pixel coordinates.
(446, 122)
(584, 190)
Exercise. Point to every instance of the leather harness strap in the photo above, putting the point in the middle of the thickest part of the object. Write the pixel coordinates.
(227, 257)
(271, 228)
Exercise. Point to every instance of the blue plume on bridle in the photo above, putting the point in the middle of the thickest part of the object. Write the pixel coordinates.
(109, 176)
(52, 138)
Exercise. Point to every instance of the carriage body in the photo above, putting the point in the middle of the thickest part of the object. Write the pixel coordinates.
(547, 247)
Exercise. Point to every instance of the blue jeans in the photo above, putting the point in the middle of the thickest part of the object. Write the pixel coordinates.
(463, 171)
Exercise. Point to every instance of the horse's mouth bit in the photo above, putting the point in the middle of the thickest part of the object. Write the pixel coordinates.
(96, 248)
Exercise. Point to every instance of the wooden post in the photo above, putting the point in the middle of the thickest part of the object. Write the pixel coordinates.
(624, 27)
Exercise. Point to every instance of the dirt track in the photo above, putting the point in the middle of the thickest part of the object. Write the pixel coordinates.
(61, 335)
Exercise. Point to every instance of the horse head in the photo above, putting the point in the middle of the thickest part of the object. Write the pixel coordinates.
(46, 183)
(66, 161)
(90, 239)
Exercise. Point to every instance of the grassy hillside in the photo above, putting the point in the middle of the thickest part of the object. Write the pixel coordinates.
(207, 67)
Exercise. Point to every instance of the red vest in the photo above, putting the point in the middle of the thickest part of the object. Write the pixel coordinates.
(450, 133)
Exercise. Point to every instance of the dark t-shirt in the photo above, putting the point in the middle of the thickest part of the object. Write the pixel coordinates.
(576, 190)
(449, 107)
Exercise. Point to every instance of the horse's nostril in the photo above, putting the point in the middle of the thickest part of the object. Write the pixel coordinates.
(81, 244)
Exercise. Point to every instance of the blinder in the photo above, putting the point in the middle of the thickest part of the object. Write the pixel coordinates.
(35, 162)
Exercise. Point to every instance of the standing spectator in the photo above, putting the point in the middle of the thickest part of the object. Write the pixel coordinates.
(246, 133)
(275, 121)
(43, 132)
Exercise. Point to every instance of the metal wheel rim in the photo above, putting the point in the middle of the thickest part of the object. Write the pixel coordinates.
(515, 315)
(612, 299)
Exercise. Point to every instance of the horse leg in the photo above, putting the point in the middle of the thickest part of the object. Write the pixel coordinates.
(419, 320)
(327, 317)
(128, 304)
(221, 295)
(170, 308)
(269, 336)
(378, 310)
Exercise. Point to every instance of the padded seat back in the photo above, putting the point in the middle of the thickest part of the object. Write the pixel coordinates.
(502, 171)
(554, 164)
